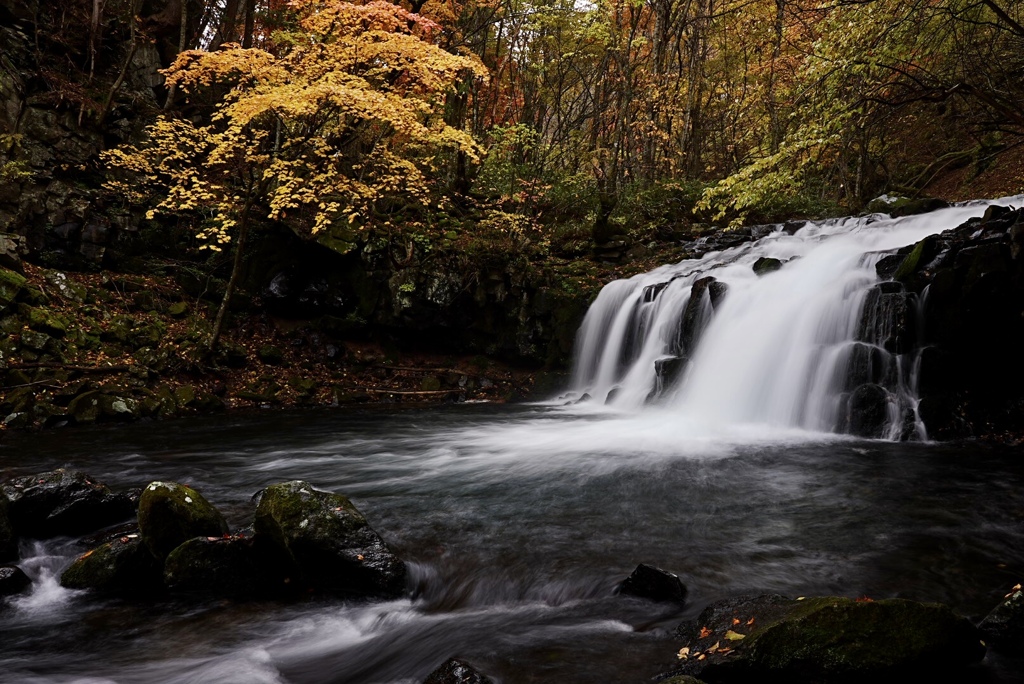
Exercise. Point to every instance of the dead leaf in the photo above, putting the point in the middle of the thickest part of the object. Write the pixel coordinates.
(713, 647)
(684, 653)
(750, 622)
(736, 621)
(704, 633)
(734, 636)
(701, 656)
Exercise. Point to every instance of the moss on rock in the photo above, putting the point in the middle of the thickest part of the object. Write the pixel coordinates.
(170, 514)
(230, 566)
(121, 566)
(330, 540)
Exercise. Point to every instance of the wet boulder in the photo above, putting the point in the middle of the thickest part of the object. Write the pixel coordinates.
(1003, 628)
(457, 671)
(765, 265)
(170, 514)
(668, 370)
(649, 582)
(829, 639)
(237, 565)
(330, 540)
(868, 411)
(62, 502)
(13, 580)
(121, 566)
(8, 543)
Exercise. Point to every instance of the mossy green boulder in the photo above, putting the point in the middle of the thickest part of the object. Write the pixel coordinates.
(237, 566)
(827, 639)
(330, 540)
(170, 514)
(121, 566)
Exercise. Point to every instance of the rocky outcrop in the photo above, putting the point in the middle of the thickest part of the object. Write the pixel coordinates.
(331, 542)
(170, 514)
(63, 502)
(826, 639)
(968, 329)
(8, 541)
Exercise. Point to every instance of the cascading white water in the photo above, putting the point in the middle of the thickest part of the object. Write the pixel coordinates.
(774, 349)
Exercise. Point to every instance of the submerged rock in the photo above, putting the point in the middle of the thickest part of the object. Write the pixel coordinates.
(457, 671)
(62, 502)
(654, 583)
(170, 514)
(1003, 628)
(330, 540)
(121, 566)
(231, 566)
(13, 580)
(827, 639)
(766, 265)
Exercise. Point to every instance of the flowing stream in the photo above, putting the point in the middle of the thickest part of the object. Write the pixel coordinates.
(519, 521)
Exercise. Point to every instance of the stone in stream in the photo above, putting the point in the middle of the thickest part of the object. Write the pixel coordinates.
(8, 543)
(457, 671)
(13, 580)
(869, 411)
(170, 514)
(825, 639)
(62, 502)
(238, 566)
(329, 539)
(121, 566)
(649, 582)
(1003, 628)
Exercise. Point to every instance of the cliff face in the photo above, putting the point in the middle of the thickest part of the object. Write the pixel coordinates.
(58, 109)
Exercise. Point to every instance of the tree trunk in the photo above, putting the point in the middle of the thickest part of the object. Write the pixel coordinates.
(236, 269)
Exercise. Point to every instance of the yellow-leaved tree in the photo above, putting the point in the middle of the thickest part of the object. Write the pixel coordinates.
(348, 116)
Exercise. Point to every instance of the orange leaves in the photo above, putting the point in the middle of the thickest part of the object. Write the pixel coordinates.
(704, 633)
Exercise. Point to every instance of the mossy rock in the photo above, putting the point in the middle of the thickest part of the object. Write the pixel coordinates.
(766, 265)
(235, 566)
(36, 341)
(85, 408)
(8, 542)
(121, 566)
(330, 540)
(185, 395)
(47, 322)
(831, 639)
(1003, 628)
(270, 355)
(170, 514)
(11, 285)
(177, 310)
(431, 383)
(62, 502)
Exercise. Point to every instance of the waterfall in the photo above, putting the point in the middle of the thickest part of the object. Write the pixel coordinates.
(795, 329)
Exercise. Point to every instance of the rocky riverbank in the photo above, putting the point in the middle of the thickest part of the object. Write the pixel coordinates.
(165, 539)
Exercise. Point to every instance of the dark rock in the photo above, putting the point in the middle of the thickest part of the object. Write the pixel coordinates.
(62, 502)
(717, 291)
(170, 514)
(667, 371)
(695, 316)
(829, 639)
(654, 583)
(868, 411)
(944, 416)
(651, 292)
(13, 580)
(122, 566)
(8, 542)
(866, 364)
(922, 205)
(230, 566)
(329, 538)
(1003, 628)
(11, 285)
(766, 265)
(888, 318)
(886, 266)
(457, 671)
